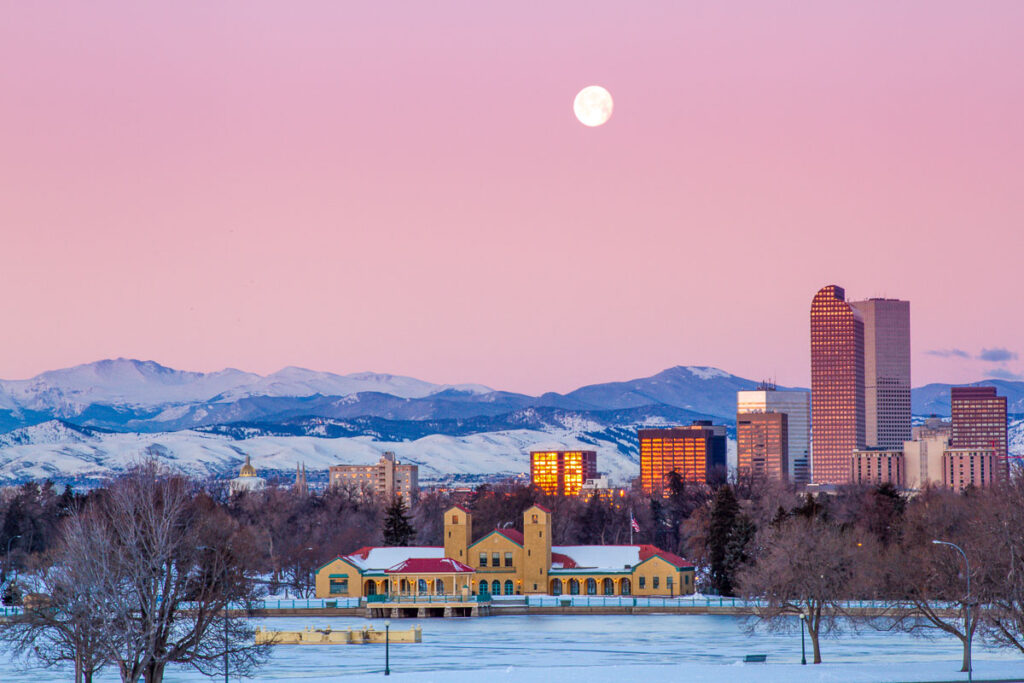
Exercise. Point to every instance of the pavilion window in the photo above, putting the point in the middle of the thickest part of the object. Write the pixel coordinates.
(508, 559)
(483, 559)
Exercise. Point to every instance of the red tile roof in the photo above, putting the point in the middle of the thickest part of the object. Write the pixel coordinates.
(512, 535)
(429, 565)
(567, 562)
(648, 551)
(461, 508)
(364, 552)
(538, 505)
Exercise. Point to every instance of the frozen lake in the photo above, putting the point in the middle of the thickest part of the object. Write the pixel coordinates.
(604, 648)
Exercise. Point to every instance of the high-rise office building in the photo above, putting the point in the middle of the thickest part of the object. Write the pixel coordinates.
(696, 453)
(876, 466)
(979, 422)
(837, 385)
(886, 371)
(922, 457)
(562, 473)
(388, 478)
(977, 467)
(762, 448)
(796, 405)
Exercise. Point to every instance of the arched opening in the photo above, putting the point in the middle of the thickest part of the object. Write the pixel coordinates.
(574, 587)
(403, 586)
(438, 586)
(591, 587)
(495, 588)
(421, 586)
(510, 588)
(556, 586)
(608, 587)
(625, 587)
(382, 587)
(370, 588)
(482, 589)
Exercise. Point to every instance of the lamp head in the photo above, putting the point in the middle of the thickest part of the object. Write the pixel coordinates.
(387, 622)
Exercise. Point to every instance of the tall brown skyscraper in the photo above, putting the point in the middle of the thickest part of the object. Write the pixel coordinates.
(886, 371)
(979, 422)
(837, 385)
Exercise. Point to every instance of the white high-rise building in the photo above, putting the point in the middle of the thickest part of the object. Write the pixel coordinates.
(797, 407)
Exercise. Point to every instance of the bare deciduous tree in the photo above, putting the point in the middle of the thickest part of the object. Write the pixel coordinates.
(925, 583)
(804, 566)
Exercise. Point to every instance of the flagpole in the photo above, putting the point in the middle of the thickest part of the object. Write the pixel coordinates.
(631, 526)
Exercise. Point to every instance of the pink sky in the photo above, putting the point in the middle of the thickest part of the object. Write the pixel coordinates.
(260, 184)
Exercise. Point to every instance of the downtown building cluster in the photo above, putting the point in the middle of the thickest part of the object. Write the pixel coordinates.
(853, 427)
(861, 429)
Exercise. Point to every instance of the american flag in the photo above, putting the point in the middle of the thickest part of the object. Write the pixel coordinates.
(632, 522)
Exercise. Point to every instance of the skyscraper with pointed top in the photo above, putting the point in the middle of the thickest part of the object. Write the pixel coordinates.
(300, 479)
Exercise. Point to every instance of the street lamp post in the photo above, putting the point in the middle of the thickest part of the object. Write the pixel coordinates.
(803, 648)
(967, 610)
(387, 647)
(7, 558)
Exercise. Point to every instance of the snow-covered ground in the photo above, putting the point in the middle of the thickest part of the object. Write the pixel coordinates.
(595, 649)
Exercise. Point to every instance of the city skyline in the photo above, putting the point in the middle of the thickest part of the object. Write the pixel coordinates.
(257, 188)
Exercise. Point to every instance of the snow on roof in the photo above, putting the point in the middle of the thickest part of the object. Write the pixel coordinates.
(609, 557)
(385, 557)
(598, 556)
(428, 565)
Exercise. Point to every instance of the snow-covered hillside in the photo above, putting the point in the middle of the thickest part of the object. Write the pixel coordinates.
(84, 455)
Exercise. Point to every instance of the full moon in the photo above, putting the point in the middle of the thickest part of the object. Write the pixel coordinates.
(593, 105)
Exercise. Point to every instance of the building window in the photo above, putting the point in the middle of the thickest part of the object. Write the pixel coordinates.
(591, 587)
(643, 582)
(483, 559)
(510, 588)
(495, 559)
(495, 588)
(455, 519)
(421, 585)
(609, 587)
(508, 559)
(535, 519)
(339, 586)
(556, 586)
(656, 581)
(439, 586)
(625, 587)
(483, 588)
(574, 587)
(668, 583)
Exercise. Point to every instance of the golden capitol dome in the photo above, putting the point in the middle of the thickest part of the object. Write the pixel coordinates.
(247, 469)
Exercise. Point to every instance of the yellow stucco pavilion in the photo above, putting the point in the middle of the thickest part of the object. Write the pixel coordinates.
(505, 562)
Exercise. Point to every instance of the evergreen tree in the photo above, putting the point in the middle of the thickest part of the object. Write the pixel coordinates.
(729, 534)
(398, 530)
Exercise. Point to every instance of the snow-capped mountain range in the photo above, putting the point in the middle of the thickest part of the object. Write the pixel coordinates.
(147, 384)
(85, 422)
